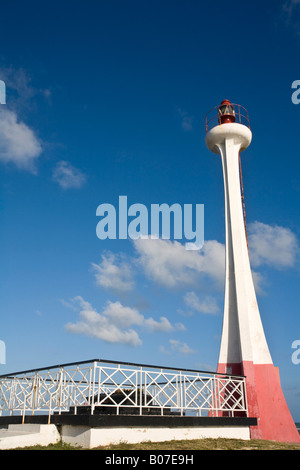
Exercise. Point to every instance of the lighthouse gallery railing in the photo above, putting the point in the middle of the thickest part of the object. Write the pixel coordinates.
(212, 118)
(102, 386)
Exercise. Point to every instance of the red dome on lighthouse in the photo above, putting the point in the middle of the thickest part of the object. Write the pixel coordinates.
(226, 112)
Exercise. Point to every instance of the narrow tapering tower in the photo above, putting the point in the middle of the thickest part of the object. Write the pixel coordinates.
(244, 349)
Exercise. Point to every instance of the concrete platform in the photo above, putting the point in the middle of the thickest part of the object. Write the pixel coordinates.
(24, 435)
(90, 431)
(90, 438)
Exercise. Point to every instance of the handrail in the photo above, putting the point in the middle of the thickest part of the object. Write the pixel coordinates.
(109, 361)
(212, 117)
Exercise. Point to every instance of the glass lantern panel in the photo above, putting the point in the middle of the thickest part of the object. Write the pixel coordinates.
(226, 109)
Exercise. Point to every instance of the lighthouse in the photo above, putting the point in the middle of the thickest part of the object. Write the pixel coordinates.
(244, 349)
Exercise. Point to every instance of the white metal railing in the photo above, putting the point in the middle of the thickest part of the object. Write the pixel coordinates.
(101, 386)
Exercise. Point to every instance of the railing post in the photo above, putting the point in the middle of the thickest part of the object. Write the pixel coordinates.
(181, 400)
(244, 395)
(60, 388)
(24, 408)
(93, 387)
(11, 396)
(140, 391)
(34, 387)
(216, 398)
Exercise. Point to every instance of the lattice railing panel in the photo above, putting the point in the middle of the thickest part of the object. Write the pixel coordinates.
(106, 385)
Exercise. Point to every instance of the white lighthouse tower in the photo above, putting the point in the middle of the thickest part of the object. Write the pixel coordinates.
(244, 349)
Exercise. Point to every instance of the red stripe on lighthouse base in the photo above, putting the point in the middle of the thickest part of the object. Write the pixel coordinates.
(265, 401)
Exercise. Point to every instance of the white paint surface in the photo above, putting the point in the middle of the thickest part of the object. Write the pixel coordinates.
(93, 437)
(243, 338)
(24, 435)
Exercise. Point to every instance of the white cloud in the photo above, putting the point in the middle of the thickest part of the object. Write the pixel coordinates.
(177, 346)
(180, 347)
(289, 9)
(162, 325)
(18, 143)
(207, 305)
(114, 273)
(122, 316)
(101, 326)
(67, 176)
(259, 282)
(115, 323)
(171, 265)
(22, 93)
(274, 246)
(290, 16)
(186, 120)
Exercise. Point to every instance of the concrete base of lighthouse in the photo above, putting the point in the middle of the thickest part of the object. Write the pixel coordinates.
(265, 401)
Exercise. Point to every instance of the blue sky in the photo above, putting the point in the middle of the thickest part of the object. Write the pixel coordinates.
(105, 99)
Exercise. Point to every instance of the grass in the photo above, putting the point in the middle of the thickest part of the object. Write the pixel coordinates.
(206, 444)
(185, 445)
